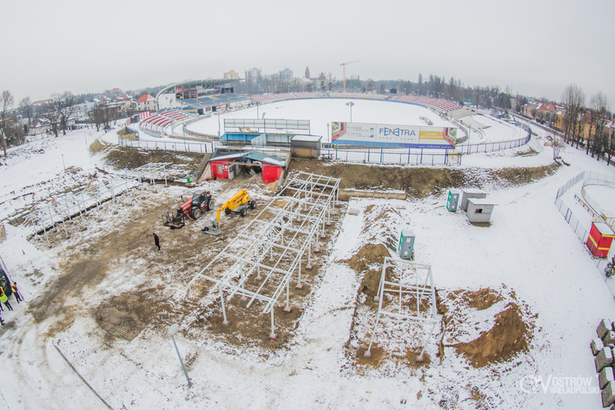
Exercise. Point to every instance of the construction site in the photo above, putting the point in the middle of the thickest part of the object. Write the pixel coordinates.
(294, 290)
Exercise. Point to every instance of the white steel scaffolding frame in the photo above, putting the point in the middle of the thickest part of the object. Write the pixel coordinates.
(61, 207)
(415, 280)
(274, 245)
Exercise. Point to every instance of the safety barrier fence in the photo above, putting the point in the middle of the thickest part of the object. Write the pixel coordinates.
(165, 145)
(493, 146)
(580, 228)
(390, 155)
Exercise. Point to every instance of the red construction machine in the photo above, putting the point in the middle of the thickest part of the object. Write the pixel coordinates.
(191, 209)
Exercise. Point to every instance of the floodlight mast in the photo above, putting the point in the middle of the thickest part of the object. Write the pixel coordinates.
(343, 65)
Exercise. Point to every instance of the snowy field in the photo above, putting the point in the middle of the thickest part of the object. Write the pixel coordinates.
(528, 253)
(323, 111)
(496, 130)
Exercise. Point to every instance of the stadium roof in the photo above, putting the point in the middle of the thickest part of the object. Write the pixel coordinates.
(205, 83)
(212, 100)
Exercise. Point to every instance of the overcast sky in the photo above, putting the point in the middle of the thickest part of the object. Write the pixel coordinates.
(536, 47)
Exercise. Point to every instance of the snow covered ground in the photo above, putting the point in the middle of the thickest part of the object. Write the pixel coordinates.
(323, 111)
(528, 249)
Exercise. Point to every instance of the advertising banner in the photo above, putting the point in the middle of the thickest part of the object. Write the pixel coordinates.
(393, 136)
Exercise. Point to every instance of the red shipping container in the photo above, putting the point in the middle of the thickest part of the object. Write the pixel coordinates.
(600, 239)
(271, 173)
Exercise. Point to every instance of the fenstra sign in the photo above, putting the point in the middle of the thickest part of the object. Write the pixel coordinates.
(393, 136)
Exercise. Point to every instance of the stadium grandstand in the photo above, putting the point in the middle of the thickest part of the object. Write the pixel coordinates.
(405, 98)
(267, 98)
(201, 97)
(156, 125)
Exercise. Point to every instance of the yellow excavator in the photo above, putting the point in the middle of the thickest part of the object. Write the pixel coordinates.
(238, 204)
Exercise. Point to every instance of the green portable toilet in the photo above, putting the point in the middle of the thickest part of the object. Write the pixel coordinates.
(453, 200)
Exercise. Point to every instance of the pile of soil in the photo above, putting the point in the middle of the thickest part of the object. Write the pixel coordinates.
(419, 182)
(370, 283)
(131, 158)
(369, 254)
(509, 336)
(480, 299)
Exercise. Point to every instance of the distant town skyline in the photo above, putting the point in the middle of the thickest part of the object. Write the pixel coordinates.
(535, 48)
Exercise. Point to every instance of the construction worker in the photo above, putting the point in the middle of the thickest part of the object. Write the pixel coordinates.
(5, 299)
(157, 241)
(18, 297)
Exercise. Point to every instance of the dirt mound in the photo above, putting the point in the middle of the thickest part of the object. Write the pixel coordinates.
(419, 182)
(369, 284)
(131, 158)
(509, 336)
(479, 299)
(369, 254)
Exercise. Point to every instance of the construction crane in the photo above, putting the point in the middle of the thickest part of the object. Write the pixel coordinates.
(344, 70)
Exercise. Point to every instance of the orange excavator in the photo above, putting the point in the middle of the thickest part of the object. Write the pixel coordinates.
(239, 203)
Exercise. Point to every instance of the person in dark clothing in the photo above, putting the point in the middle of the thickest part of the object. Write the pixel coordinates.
(157, 241)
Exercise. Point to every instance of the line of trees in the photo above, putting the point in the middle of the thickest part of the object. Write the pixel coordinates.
(10, 130)
(56, 114)
(586, 125)
(102, 115)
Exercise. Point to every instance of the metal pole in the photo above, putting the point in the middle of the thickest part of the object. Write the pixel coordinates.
(180, 357)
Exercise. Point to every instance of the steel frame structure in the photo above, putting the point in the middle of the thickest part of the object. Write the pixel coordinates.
(414, 280)
(274, 245)
(59, 208)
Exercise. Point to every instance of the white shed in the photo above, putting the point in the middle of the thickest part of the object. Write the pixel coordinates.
(480, 210)
(471, 193)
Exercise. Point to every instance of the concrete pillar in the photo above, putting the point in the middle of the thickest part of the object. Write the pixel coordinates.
(604, 358)
(608, 396)
(604, 326)
(606, 376)
(596, 346)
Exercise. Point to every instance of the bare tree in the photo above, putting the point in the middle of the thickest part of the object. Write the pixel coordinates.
(599, 106)
(6, 101)
(420, 84)
(102, 115)
(51, 114)
(476, 95)
(573, 100)
(97, 115)
(370, 85)
(65, 106)
(26, 109)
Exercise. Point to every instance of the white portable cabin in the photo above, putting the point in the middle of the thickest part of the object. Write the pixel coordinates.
(471, 193)
(479, 209)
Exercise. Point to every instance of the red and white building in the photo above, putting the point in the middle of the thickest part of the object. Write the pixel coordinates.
(147, 103)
